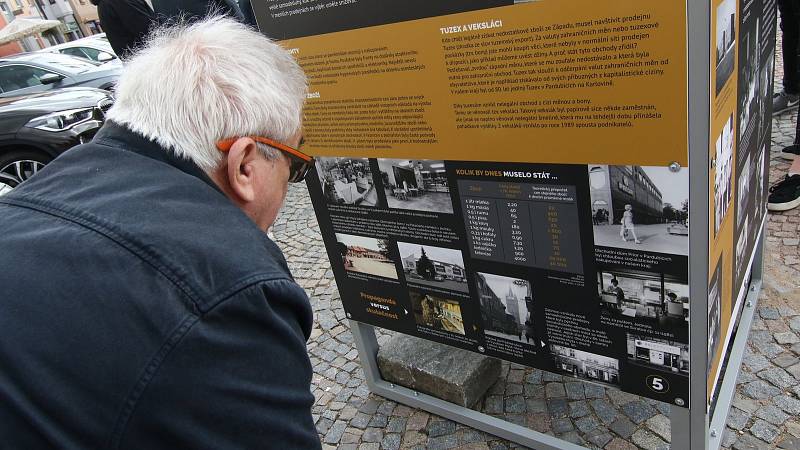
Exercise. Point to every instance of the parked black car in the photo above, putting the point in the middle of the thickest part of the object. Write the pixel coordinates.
(36, 128)
(27, 73)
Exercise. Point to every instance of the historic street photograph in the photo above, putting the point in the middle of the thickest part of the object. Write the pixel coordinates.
(726, 41)
(640, 208)
(722, 166)
(589, 366)
(416, 184)
(439, 313)
(437, 267)
(366, 255)
(658, 354)
(506, 304)
(347, 181)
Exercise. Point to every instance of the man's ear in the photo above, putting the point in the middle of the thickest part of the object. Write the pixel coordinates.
(241, 168)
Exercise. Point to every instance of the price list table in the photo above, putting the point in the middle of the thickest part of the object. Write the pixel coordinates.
(533, 225)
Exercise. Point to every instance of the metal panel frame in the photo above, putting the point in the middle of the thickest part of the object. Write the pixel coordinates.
(702, 432)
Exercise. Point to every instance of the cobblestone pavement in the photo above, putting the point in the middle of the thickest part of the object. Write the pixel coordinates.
(766, 411)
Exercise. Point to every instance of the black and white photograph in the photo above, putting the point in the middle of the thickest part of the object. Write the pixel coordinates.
(742, 244)
(415, 184)
(366, 255)
(743, 191)
(658, 354)
(714, 314)
(439, 313)
(589, 366)
(765, 92)
(505, 307)
(726, 22)
(347, 181)
(437, 267)
(652, 298)
(749, 90)
(722, 165)
(640, 208)
(758, 180)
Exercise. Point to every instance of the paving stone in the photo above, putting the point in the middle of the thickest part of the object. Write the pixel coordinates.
(441, 428)
(493, 404)
(391, 442)
(785, 360)
(579, 409)
(604, 410)
(786, 338)
(623, 427)
(737, 419)
(728, 438)
(396, 424)
(638, 411)
(412, 438)
(777, 377)
(600, 439)
(561, 425)
(587, 424)
(789, 404)
(760, 390)
(558, 408)
(755, 361)
(538, 422)
(745, 404)
(748, 442)
(555, 390)
(515, 404)
(454, 375)
(417, 421)
(789, 443)
(372, 435)
(772, 414)
(533, 405)
(335, 432)
(794, 370)
(619, 444)
(594, 391)
(794, 323)
(369, 446)
(514, 389)
(648, 441)
(660, 425)
(574, 391)
(769, 313)
(764, 431)
(572, 436)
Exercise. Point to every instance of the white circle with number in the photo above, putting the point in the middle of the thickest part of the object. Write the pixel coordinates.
(657, 384)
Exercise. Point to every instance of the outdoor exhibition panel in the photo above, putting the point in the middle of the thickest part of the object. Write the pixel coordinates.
(517, 179)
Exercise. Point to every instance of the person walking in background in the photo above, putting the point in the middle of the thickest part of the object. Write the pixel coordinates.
(788, 98)
(626, 225)
(126, 23)
(785, 194)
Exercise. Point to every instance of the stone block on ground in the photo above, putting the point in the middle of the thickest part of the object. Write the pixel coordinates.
(448, 373)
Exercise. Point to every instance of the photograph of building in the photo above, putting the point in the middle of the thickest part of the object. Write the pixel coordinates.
(723, 169)
(505, 307)
(656, 299)
(436, 312)
(416, 184)
(659, 354)
(366, 255)
(640, 208)
(766, 95)
(714, 314)
(749, 90)
(590, 366)
(742, 242)
(726, 41)
(743, 191)
(433, 266)
(347, 181)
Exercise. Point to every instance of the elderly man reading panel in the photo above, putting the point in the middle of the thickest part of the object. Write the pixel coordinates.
(142, 305)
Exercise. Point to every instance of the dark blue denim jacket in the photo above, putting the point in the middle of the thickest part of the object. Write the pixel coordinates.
(140, 309)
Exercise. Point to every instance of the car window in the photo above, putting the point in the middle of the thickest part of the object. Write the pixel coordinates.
(75, 51)
(13, 77)
(65, 63)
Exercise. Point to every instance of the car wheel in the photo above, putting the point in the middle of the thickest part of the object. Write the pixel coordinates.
(18, 166)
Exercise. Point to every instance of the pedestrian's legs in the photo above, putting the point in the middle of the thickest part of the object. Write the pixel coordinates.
(622, 232)
(790, 26)
(633, 233)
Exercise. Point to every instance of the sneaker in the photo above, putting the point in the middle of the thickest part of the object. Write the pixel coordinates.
(784, 195)
(790, 152)
(782, 102)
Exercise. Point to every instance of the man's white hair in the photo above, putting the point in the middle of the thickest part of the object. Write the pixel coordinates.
(192, 85)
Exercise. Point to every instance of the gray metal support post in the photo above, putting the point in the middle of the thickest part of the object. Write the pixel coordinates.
(693, 423)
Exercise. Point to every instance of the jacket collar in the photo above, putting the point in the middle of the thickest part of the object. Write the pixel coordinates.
(123, 138)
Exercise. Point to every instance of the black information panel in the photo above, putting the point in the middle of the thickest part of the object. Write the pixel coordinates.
(574, 269)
